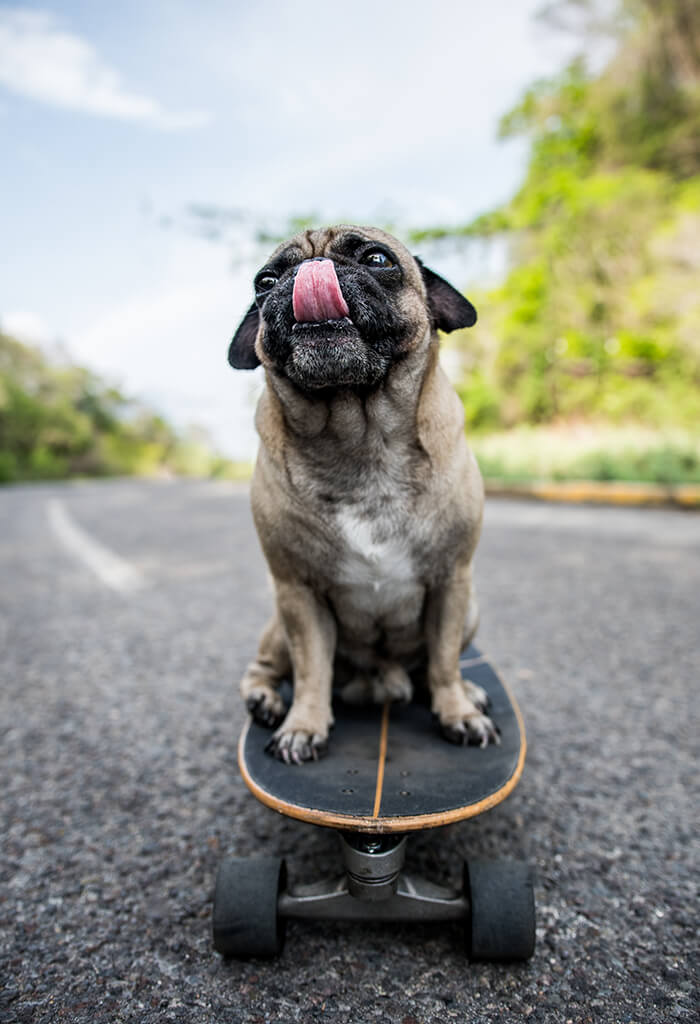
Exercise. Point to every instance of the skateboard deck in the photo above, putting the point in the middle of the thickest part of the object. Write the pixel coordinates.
(388, 768)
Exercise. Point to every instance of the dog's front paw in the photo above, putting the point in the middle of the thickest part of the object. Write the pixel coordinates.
(265, 705)
(297, 747)
(460, 711)
(300, 738)
(475, 731)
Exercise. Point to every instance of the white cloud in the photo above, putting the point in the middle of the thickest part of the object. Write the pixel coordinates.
(28, 326)
(168, 345)
(45, 62)
(382, 106)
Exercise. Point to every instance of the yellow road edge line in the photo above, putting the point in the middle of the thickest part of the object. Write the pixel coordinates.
(601, 492)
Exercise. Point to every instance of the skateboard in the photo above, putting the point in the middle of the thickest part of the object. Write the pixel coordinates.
(388, 773)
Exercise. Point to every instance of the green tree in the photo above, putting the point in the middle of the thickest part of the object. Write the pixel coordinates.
(60, 420)
(600, 313)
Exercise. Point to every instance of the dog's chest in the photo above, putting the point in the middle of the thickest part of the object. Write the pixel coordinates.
(375, 564)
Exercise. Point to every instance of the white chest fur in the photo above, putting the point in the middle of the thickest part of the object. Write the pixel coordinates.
(375, 560)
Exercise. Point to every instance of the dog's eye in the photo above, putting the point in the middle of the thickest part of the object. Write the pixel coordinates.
(264, 282)
(377, 258)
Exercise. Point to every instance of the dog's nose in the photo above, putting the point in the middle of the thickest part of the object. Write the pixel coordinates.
(317, 295)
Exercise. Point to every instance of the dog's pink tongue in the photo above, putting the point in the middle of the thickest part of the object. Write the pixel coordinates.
(317, 295)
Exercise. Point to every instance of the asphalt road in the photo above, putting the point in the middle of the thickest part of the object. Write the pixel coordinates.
(120, 793)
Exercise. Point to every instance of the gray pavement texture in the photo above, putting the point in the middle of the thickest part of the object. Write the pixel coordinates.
(120, 790)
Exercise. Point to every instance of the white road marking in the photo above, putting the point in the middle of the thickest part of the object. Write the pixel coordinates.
(114, 571)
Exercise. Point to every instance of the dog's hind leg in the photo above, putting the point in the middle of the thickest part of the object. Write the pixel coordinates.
(358, 690)
(261, 680)
(390, 682)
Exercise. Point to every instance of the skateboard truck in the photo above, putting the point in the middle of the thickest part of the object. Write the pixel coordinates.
(373, 875)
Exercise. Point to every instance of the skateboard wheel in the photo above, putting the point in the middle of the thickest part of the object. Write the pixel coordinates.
(245, 921)
(501, 921)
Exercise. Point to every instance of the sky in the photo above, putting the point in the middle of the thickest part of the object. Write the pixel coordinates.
(117, 119)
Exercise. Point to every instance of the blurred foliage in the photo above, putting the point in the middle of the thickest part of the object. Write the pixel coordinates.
(582, 451)
(597, 322)
(58, 420)
(599, 316)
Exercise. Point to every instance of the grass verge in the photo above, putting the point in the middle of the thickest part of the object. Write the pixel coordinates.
(589, 452)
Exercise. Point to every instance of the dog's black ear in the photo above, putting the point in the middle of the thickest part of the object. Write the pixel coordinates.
(450, 310)
(241, 351)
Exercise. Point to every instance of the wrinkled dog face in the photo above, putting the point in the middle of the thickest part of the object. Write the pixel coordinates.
(338, 307)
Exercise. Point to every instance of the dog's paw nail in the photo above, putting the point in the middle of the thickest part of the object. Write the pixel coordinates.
(482, 732)
(454, 734)
(475, 731)
(319, 748)
(262, 713)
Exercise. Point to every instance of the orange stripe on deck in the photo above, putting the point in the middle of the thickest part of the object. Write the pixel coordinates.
(382, 759)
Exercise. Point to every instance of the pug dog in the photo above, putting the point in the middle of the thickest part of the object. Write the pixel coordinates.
(366, 498)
